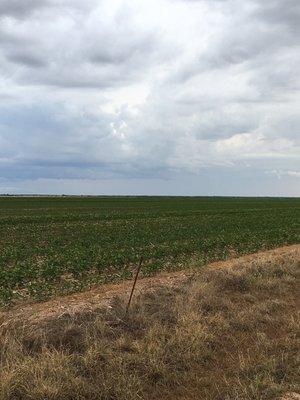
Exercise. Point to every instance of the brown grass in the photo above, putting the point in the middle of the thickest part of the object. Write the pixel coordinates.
(225, 333)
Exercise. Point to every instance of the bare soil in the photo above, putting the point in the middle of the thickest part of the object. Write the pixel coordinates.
(102, 295)
(227, 331)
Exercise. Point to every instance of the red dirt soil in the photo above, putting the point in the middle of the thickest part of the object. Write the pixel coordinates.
(101, 296)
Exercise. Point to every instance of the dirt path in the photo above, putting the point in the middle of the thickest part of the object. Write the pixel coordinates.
(102, 295)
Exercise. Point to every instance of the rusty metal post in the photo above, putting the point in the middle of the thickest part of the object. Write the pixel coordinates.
(134, 283)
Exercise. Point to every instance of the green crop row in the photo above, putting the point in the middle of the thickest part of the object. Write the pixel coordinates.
(60, 245)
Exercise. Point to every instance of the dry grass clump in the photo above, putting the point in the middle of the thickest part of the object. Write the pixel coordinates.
(226, 334)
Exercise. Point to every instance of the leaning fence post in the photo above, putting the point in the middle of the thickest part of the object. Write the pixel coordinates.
(134, 283)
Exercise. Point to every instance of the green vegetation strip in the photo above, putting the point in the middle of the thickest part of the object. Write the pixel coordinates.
(56, 245)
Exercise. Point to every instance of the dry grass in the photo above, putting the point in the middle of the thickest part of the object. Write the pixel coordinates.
(225, 334)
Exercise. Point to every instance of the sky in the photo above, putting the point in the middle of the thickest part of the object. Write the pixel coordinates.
(154, 97)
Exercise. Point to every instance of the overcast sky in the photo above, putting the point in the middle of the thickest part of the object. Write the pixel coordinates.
(196, 97)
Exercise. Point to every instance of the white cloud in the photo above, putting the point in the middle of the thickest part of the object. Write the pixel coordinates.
(114, 89)
(281, 173)
(296, 174)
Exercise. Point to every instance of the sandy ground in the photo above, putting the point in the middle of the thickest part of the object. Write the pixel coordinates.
(102, 295)
(291, 396)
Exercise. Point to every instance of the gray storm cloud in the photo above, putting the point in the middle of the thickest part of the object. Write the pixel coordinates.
(116, 90)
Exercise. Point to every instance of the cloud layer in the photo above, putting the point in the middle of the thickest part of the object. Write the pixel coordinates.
(140, 91)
